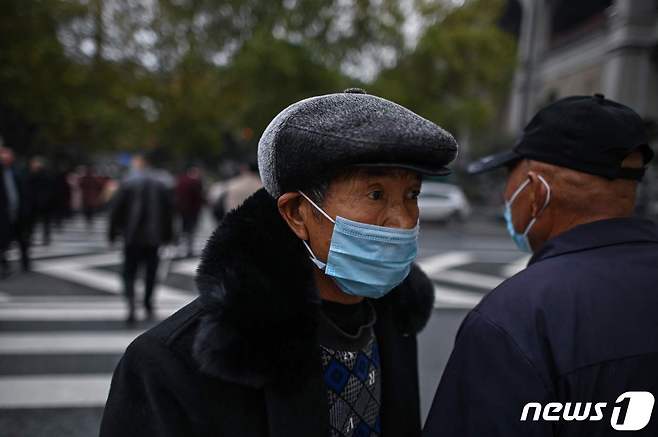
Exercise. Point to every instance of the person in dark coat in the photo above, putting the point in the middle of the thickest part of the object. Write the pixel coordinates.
(62, 196)
(142, 213)
(569, 346)
(303, 327)
(91, 189)
(13, 213)
(189, 201)
(40, 196)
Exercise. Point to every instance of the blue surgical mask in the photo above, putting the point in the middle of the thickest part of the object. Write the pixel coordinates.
(367, 260)
(521, 239)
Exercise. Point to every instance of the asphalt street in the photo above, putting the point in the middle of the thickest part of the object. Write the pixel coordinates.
(62, 330)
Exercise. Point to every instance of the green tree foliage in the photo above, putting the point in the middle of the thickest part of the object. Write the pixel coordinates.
(459, 73)
(204, 77)
(50, 99)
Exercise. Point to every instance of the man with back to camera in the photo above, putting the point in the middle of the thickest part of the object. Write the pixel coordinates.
(142, 214)
(310, 304)
(578, 326)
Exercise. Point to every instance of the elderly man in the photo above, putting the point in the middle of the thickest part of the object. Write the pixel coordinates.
(569, 346)
(310, 304)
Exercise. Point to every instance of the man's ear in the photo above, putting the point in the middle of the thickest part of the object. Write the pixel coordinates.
(538, 193)
(633, 160)
(290, 208)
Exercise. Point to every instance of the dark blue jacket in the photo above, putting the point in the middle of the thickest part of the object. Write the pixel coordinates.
(580, 324)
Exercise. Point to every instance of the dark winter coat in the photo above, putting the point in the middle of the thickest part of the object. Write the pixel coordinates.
(578, 326)
(142, 210)
(7, 227)
(40, 193)
(91, 189)
(243, 359)
(189, 195)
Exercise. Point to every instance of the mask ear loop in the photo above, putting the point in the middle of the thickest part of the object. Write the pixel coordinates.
(321, 265)
(318, 208)
(548, 199)
(517, 192)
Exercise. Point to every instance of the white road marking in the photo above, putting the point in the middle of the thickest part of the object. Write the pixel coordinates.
(479, 280)
(515, 267)
(54, 391)
(106, 281)
(446, 297)
(77, 262)
(71, 314)
(186, 267)
(445, 267)
(437, 263)
(83, 304)
(65, 342)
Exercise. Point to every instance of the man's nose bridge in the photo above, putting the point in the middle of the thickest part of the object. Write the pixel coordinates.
(398, 216)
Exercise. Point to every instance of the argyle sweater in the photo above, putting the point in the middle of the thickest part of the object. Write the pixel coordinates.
(352, 378)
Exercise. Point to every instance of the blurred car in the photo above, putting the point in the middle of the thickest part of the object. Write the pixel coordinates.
(442, 202)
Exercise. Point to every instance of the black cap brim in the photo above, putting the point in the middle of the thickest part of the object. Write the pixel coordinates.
(492, 162)
(424, 170)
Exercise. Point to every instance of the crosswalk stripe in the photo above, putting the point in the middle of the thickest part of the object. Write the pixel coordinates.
(50, 391)
(82, 304)
(186, 267)
(451, 298)
(433, 264)
(515, 267)
(106, 281)
(65, 343)
(71, 314)
(472, 279)
(45, 253)
(82, 261)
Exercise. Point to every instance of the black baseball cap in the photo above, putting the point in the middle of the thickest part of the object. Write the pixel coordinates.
(590, 134)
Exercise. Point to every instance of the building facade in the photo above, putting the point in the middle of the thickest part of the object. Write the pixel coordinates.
(586, 47)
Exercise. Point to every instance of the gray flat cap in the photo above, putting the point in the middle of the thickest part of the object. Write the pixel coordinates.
(314, 137)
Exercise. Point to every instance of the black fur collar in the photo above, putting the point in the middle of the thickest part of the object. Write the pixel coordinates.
(256, 283)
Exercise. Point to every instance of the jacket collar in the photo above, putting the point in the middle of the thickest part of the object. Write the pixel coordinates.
(261, 306)
(597, 234)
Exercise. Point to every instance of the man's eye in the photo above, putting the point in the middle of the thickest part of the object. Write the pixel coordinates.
(413, 195)
(375, 195)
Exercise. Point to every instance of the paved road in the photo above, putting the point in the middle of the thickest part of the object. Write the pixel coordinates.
(62, 330)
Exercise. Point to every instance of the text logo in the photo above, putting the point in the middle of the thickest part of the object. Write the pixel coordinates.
(631, 411)
(634, 412)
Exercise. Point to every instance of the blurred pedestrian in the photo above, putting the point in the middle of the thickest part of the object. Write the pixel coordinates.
(579, 326)
(240, 187)
(13, 220)
(40, 189)
(310, 303)
(62, 197)
(91, 189)
(142, 213)
(189, 201)
(215, 198)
